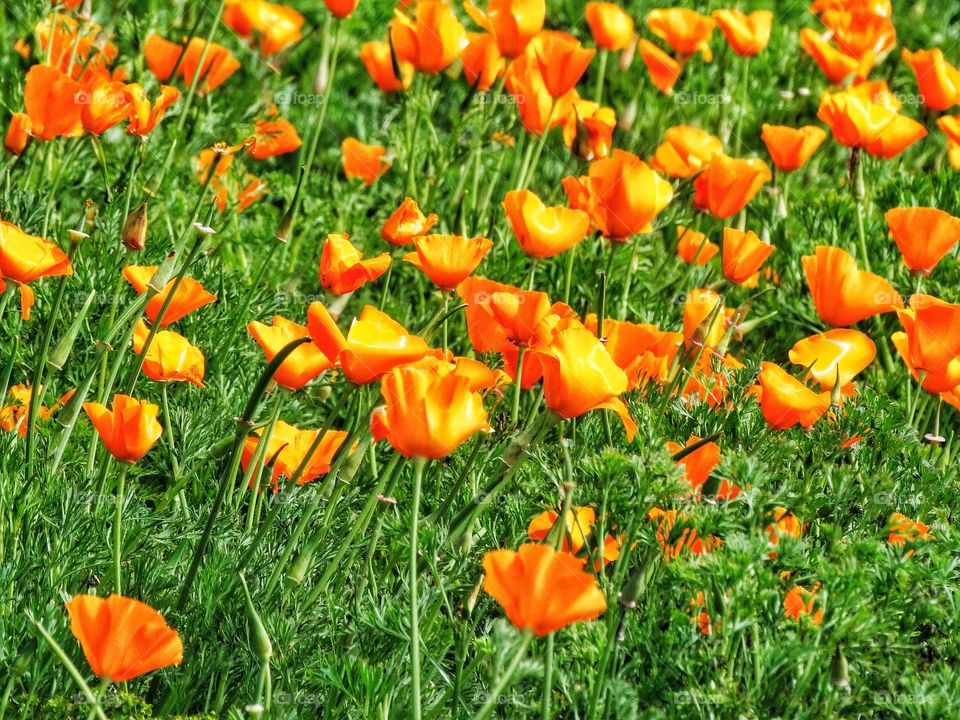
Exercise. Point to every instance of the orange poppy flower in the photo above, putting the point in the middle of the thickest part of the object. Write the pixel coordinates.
(698, 465)
(428, 413)
(840, 353)
(342, 267)
(190, 294)
(448, 259)
(686, 31)
(790, 148)
(699, 306)
(694, 247)
(799, 602)
(904, 531)
(14, 415)
(701, 619)
(407, 223)
(636, 347)
(727, 184)
(287, 449)
(785, 401)
(610, 25)
(747, 35)
(128, 429)
(104, 103)
(541, 589)
(374, 345)
(859, 31)
(843, 294)
(512, 23)
(930, 342)
(743, 254)
(856, 121)
(25, 258)
(685, 151)
(170, 356)
(274, 136)
(834, 63)
(18, 134)
(431, 41)
(533, 100)
(543, 231)
(376, 58)
(218, 64)
(363, 161)
(268, 26)
(577, 527)
(241, 188)
(144, 116)
(675, 534)
(303, 364)
(621, 194)
(664, 70)
(341, 8)
(122, 638)
(51, 102)
(482, 61)
(588, 128)
(784, 525)
(72, 47)
(923, 234)
(562, 61)
(937, 80)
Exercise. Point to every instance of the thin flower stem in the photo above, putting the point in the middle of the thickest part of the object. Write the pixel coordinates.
(493, 697)
(517, 387)
(168, 430)
(601, 76)
(118, 529)
(742, 109)
(71, 668)
(545, 703)
(418, 465)
(568, 278)
(530, 169)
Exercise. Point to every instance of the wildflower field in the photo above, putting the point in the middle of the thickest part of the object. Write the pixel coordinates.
(527, 359)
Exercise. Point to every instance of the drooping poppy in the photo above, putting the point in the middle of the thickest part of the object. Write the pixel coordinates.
(842, 293)
(145, 115)
(274, 136)
(577, 527)
(686, 31)
(190, 294)
(512, 23)
(170, 356)
(694, 247)
(924, 235)
(218, 63)
(288, 448)
(377, 59)
(448, 259)
(800, 602)
(664, 70)
(302, 365)
(685, 151)
(543, 231)
(743, 254)
(482, 61)
(363, 161)
(268, 26)
(937, 80)
(128, 429)
(51, 101)
(727, 184)
(610, 25)
(407, 223)
(432, 40)
(930, 342)
(562, 61)
(835, 64)
(342, 267)
(858, 122)
(838, 354)
(785, 401)
(747, 35)
(790, 148)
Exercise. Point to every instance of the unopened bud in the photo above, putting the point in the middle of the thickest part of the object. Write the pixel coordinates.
(290, 216)
(134, 234)
(301, 566)
(839, 670)
(162, 274)
(259, 639)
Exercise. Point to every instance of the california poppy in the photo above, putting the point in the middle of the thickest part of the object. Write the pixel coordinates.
(641, 350)
(743, 254)
(341, 8)
(145, 115)
(448, 259)
(274, 136)
(784, 525)
(342, 267)
(699, 464)
(924, 235)
(790, 148)
(930, 342)
(122, 638)
(105, 103)
(664, 70)
(51, 101)
(269, 26)
(587, 127)
(949, 124)
(785, 401)
(694, 247)
(685, 31)
(747, 35)
(859, 30)
(482, 61)
(577, 526)
(190, 294)
(843, 294)
(14, 415)
(675, 534)
(288, 448)
(685, 151)
(363, 161)
(377, 59)
(541, 589)
(432, 40)
(610, 25)
(727, 184)
(937, 80)
(543, 231)
(512, 23)
(838, 354)
(18, 134)
(163, 56)
(800, 602)
(699, 306)
(170, 356)
(835, 64)
(25, 258)
(407, 223)
(525, 83)
(858, 122)
(128, 429)
(905, 531)
(562, 60)
(241, 188)
(303, 364)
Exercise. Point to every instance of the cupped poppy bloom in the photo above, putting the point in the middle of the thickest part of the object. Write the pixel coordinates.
(924, 235)
(784, 525)
(843, 294)
(54, 103)
(363, 161)
(128, 429)
(13, 416)
(25, 258)
(302, 365)
(18, 134)
(610, 25)
(675, 534)
(699, 464)
(342, 267)
(287, 449)
(448, 260)
(860, 31)
(686, 31)
(664, 70)
(274, 136)
(903, 531)
(743, 254)
(341, 8)
(144, 115)
(379, 62)
(534, 103)
(937, 80)
(427, 413)
(577, 527)
(700, 305)
(268, 26)
(482, 61)
(836, 355)
(122, 638)
(407, 223)
(218, 63)
(170, 356)
(432, 40)
(930, 342)
(727, 184)
(512, 23)
(621, 194)
(542, 589)
(949, 124)
(685, 151)
(588, 128)
(374, 345)
(694, 247)
(543, 231)
(562, 61)
(858, 122)
(790, 148)
(104, 103)
(747, 35)
(835, 64)
(800, 602)
(785, 401)
(190, 294)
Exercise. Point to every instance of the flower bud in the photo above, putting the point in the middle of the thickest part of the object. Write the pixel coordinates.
(134, 234)
(839, 671)
(259, 639)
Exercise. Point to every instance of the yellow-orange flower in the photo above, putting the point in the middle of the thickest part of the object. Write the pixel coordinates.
(274, 136)
(785, 401)
(342, 267)
(448, 259)
(587, 127)
(685, 151)
(562, 60)
(287, 449)
(694, 247)
(18, 134)
(376, 58)
(145, 115)
(924, 235)
(190, 294)
(838, 354)
(835, 64)
(269, 26)
(727, 184)
(303, 364)
(610, 25)
(363, 161)
(407, 223)
(790, 148)
(699, 464)
(543, 231)
(858, 122)
(747, 35)
(937, 80)
(14, 415)
(512, 23)
(664, 70)
(905, 531)
(170, 356)
(930, 342)
(577, 527)
(675, 534)
(800, 602)
(842, 293)
(218, 63)
(743, 254)
(341, 8)
(51, 101)
(685, 31)
(784, 525)
(128, 429)
(432, 40)
(699, 306)
(482, 61)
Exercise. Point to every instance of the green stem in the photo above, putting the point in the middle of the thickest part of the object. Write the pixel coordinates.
(418, 465)
(72, 669)
(118, 530)
(601, 76)
(547, 680)
(530, 168)
(517, 387)
(191, 91)
(493, 697)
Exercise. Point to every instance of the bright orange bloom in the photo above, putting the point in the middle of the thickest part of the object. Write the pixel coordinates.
(128, 429)
(190, 294)
(342, 267)
(685, 151)
(13, 416)
(697, 309)
(843, 294)
(218, 64)
(610, 25)
(268, 26)
(664, 70)
(448, 259)
(727, 184)
(287, 449)
(104, 103)
(743, 254)
(675, 534)
(543, 231)
(363, 161)
(274, 136)
(341, 8)
(541, 589)
(860, 31)
(534, 102)
(241, 188)
(790, 148)
(785, 401)
(52, 102)
(930, 342)
(18, 134)
(835, 64)
(25, 258)
(144, 116)
(702, 619)
(621, 194)
(904, 531)
(698, 465)
(170, 356)
(685, 31)
(512, 23)
(374, 345)
(800, 602)
(694, 247)
(431, 41)
(482, 61)
(838, 354)
(587, 128)
(303, 364)
(923, 234)
(784, 525)
(562, 60)
(949, 124)
(577, 527)
(407, 223)
(376, 58)
(77, 50)
(858, 122)
(937, 80)
(747, 35)
(122, 638)
(428, 413)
